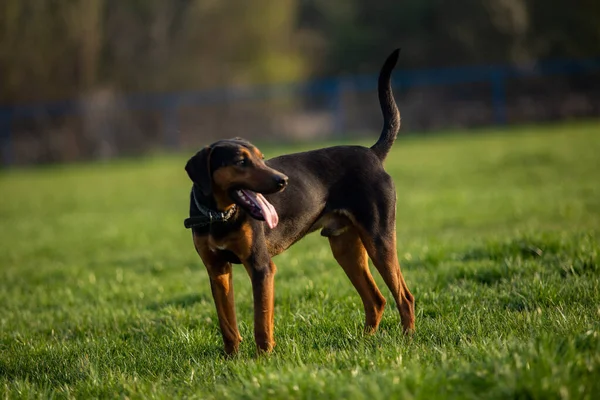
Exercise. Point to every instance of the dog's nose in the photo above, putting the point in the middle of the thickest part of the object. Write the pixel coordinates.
(281, 181)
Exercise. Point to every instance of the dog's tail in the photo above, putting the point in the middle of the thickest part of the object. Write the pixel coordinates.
(391, 115)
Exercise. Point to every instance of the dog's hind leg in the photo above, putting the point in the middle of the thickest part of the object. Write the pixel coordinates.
(377, 230)
(382, 251)
(350, 253)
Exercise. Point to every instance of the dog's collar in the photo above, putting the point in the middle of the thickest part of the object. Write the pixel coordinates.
(207, 216)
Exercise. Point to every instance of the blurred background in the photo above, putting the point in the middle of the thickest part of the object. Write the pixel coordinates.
(97, 79)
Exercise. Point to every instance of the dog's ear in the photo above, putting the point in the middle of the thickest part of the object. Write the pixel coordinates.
(198, 169)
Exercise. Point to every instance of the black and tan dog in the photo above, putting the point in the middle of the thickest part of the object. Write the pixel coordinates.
(240, 213)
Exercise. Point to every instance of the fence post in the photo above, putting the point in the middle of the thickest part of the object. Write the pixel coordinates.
(499, 96)
(337, 106)
(6, 141)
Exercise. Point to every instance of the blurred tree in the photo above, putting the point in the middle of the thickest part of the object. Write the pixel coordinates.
(60, 48)
(358, 33)
(564, 28)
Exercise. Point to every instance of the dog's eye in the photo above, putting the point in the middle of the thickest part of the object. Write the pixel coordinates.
(242, 163)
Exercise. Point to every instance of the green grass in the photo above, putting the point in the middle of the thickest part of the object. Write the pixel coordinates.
(102, 294)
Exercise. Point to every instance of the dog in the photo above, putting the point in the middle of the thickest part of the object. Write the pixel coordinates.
(245, 210)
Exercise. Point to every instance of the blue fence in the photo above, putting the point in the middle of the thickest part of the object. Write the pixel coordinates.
(168, 104)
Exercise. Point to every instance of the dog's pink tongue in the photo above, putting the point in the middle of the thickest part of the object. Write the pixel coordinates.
(268, 211)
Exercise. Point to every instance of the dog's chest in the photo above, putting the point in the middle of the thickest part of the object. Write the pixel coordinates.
(238, 243)
(215, 244)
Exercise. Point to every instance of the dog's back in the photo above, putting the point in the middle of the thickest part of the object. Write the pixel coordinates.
(342, 179)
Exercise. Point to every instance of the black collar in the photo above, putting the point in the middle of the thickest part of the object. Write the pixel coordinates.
(206, 215)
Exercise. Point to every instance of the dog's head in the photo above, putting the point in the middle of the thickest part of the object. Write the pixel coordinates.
(235, 169)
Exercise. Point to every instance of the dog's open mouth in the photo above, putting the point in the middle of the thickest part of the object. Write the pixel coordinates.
(257, 206)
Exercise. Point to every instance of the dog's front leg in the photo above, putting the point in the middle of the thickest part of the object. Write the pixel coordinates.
(262, 275)
(221, 285)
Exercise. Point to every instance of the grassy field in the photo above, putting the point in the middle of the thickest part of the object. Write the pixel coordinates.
(102, 294)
